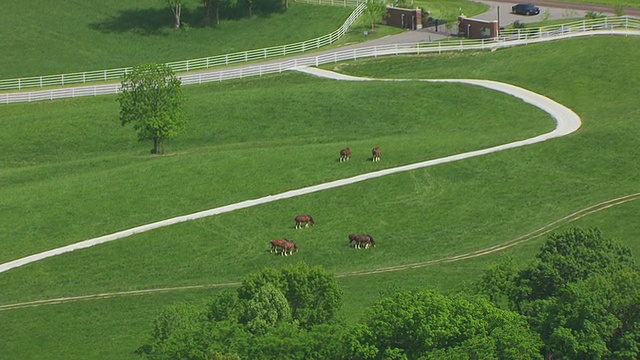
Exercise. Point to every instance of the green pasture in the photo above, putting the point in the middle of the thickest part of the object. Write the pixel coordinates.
(58, 37)
(71, 172)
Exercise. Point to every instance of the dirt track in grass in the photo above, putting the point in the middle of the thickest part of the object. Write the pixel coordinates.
(478, 253)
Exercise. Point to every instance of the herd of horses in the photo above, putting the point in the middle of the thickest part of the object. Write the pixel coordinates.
(376, 154)
(287, 247)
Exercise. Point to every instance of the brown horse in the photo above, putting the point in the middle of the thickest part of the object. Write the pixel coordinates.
(345, 154)
(304, 219)
(376, 154)
(361, 240)
(283, 246)
(278, 244)
(290, 247)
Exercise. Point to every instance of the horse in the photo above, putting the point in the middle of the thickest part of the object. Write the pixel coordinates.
(304, 219)
(290, 246)
(362, 240)
(352, 239)
(376, 154)
(285, 245)
(345, 154)
(278, 243)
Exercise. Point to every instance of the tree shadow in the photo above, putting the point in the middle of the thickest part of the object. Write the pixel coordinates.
(147, 21)
(154, 22)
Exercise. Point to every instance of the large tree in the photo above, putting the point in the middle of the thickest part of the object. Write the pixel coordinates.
(152, 100)
(596, 318)
(580, 293)
(312, 293)
(427, 325)
(567, 257)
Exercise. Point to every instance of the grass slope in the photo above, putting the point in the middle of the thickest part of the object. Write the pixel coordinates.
(285, 137)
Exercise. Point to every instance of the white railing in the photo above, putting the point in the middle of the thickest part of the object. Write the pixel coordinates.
(197, 64)
(625, 26)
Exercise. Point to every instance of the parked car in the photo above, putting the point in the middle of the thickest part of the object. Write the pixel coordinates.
(525, 9)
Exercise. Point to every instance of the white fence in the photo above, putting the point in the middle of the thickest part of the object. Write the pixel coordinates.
(625, 26)
(197, 64)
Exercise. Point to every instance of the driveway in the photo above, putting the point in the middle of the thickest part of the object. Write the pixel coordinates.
(501, 10)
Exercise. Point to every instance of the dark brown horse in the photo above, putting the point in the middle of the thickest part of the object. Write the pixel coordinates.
(361, 240)
(345, 154)
(304, 219)
(376, 154)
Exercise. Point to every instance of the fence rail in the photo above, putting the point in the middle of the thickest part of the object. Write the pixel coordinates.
(624, 26)
(197, 64)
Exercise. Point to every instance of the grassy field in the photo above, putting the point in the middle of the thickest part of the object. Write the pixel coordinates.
(54, 38)
(71, 172)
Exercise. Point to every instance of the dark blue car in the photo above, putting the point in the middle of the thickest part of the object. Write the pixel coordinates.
(525, 9)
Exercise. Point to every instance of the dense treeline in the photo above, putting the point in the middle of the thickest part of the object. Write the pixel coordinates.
(578, 299)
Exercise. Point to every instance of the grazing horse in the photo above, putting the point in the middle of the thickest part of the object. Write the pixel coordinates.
(283, 246)
(290, 247)
(278, 243)
(345, 154)
(304, 219)
(376, 154)
(361, 240)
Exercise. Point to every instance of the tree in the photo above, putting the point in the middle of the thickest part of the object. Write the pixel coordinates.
(567, 257)
(176, 8)
(208, 4)
(427, 325)
(176, 324)
(581, 294)
(497, 281)
(151, 98)
(266, 309)
(250, 5)
(595, 318)
(207, 12)
(375, 12)
(313, 295)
